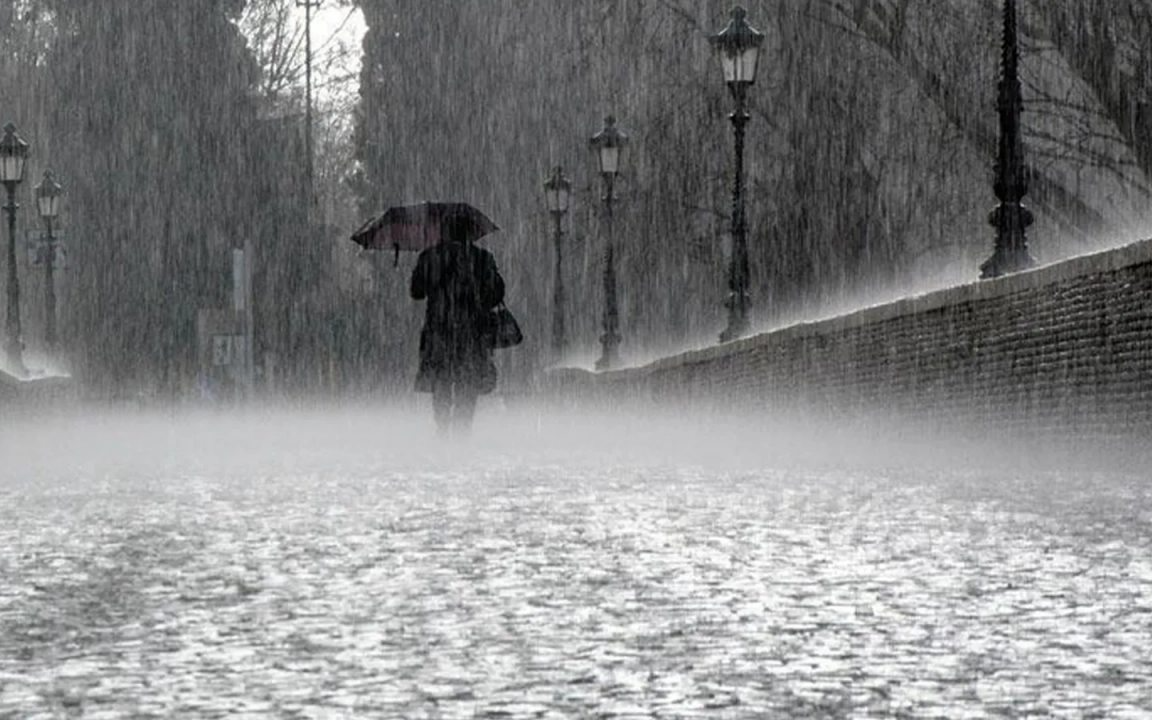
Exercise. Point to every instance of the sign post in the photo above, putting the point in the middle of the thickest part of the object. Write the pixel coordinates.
(225, 337)
(242, 304)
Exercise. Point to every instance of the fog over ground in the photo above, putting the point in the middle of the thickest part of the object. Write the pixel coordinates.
(344, 562)
(401, 436)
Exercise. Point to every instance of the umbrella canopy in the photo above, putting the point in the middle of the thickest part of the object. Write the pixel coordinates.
(418, 227)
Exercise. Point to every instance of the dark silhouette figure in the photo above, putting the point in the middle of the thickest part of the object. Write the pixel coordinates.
(462, 285)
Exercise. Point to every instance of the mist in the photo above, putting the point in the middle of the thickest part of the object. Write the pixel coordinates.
(349, 560)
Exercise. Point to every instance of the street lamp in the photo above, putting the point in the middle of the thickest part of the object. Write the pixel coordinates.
(13, 157)
(609, 145)
(557, 195)
(738, 47)
(48, 203)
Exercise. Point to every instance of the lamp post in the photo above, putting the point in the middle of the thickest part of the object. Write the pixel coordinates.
(609, 144)
(13, 157)
(738, 47)
(48, 204)
(309, 162)
(1010, 218)
(557, 195)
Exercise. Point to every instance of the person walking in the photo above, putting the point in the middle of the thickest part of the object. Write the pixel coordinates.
(461, 285)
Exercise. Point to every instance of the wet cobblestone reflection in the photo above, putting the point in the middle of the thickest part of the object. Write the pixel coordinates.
(487, 588)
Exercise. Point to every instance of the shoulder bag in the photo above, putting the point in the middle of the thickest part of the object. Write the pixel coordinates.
(503, 330)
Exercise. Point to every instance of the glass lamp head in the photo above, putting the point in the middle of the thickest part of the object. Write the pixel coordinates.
(738, 47)
(609, 146)
(557, 192)
(48, 197)
(13, 156)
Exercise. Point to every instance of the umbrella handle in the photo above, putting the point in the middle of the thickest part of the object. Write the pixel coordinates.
(396, 259)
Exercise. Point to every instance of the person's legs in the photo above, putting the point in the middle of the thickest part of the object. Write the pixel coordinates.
(442, 405)
(464, 402)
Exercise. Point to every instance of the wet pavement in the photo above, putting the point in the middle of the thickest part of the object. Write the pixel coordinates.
(326, 568)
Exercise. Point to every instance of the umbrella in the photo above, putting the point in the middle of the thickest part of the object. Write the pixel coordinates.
(418, 227)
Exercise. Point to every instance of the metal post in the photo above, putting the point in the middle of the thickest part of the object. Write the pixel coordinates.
(249, 321)
(738, 268)
(15, 346)
(1010, 218)
(50, 289)
(309, 169)
(559, 331)
(610, 340)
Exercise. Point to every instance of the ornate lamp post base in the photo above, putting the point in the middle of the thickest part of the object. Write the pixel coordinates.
(1011, 253)
(737, 318)
(1005, 263)
(610, 340)
(611, 356)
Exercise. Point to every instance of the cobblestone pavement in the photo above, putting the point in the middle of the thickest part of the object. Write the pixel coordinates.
(344, 566)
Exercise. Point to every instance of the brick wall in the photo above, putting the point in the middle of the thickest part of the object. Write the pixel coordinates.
(1066, 347)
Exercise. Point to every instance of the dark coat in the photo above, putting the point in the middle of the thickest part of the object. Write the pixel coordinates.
(462, 285)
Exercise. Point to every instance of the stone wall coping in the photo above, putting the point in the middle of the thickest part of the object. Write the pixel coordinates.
(1083, 265)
